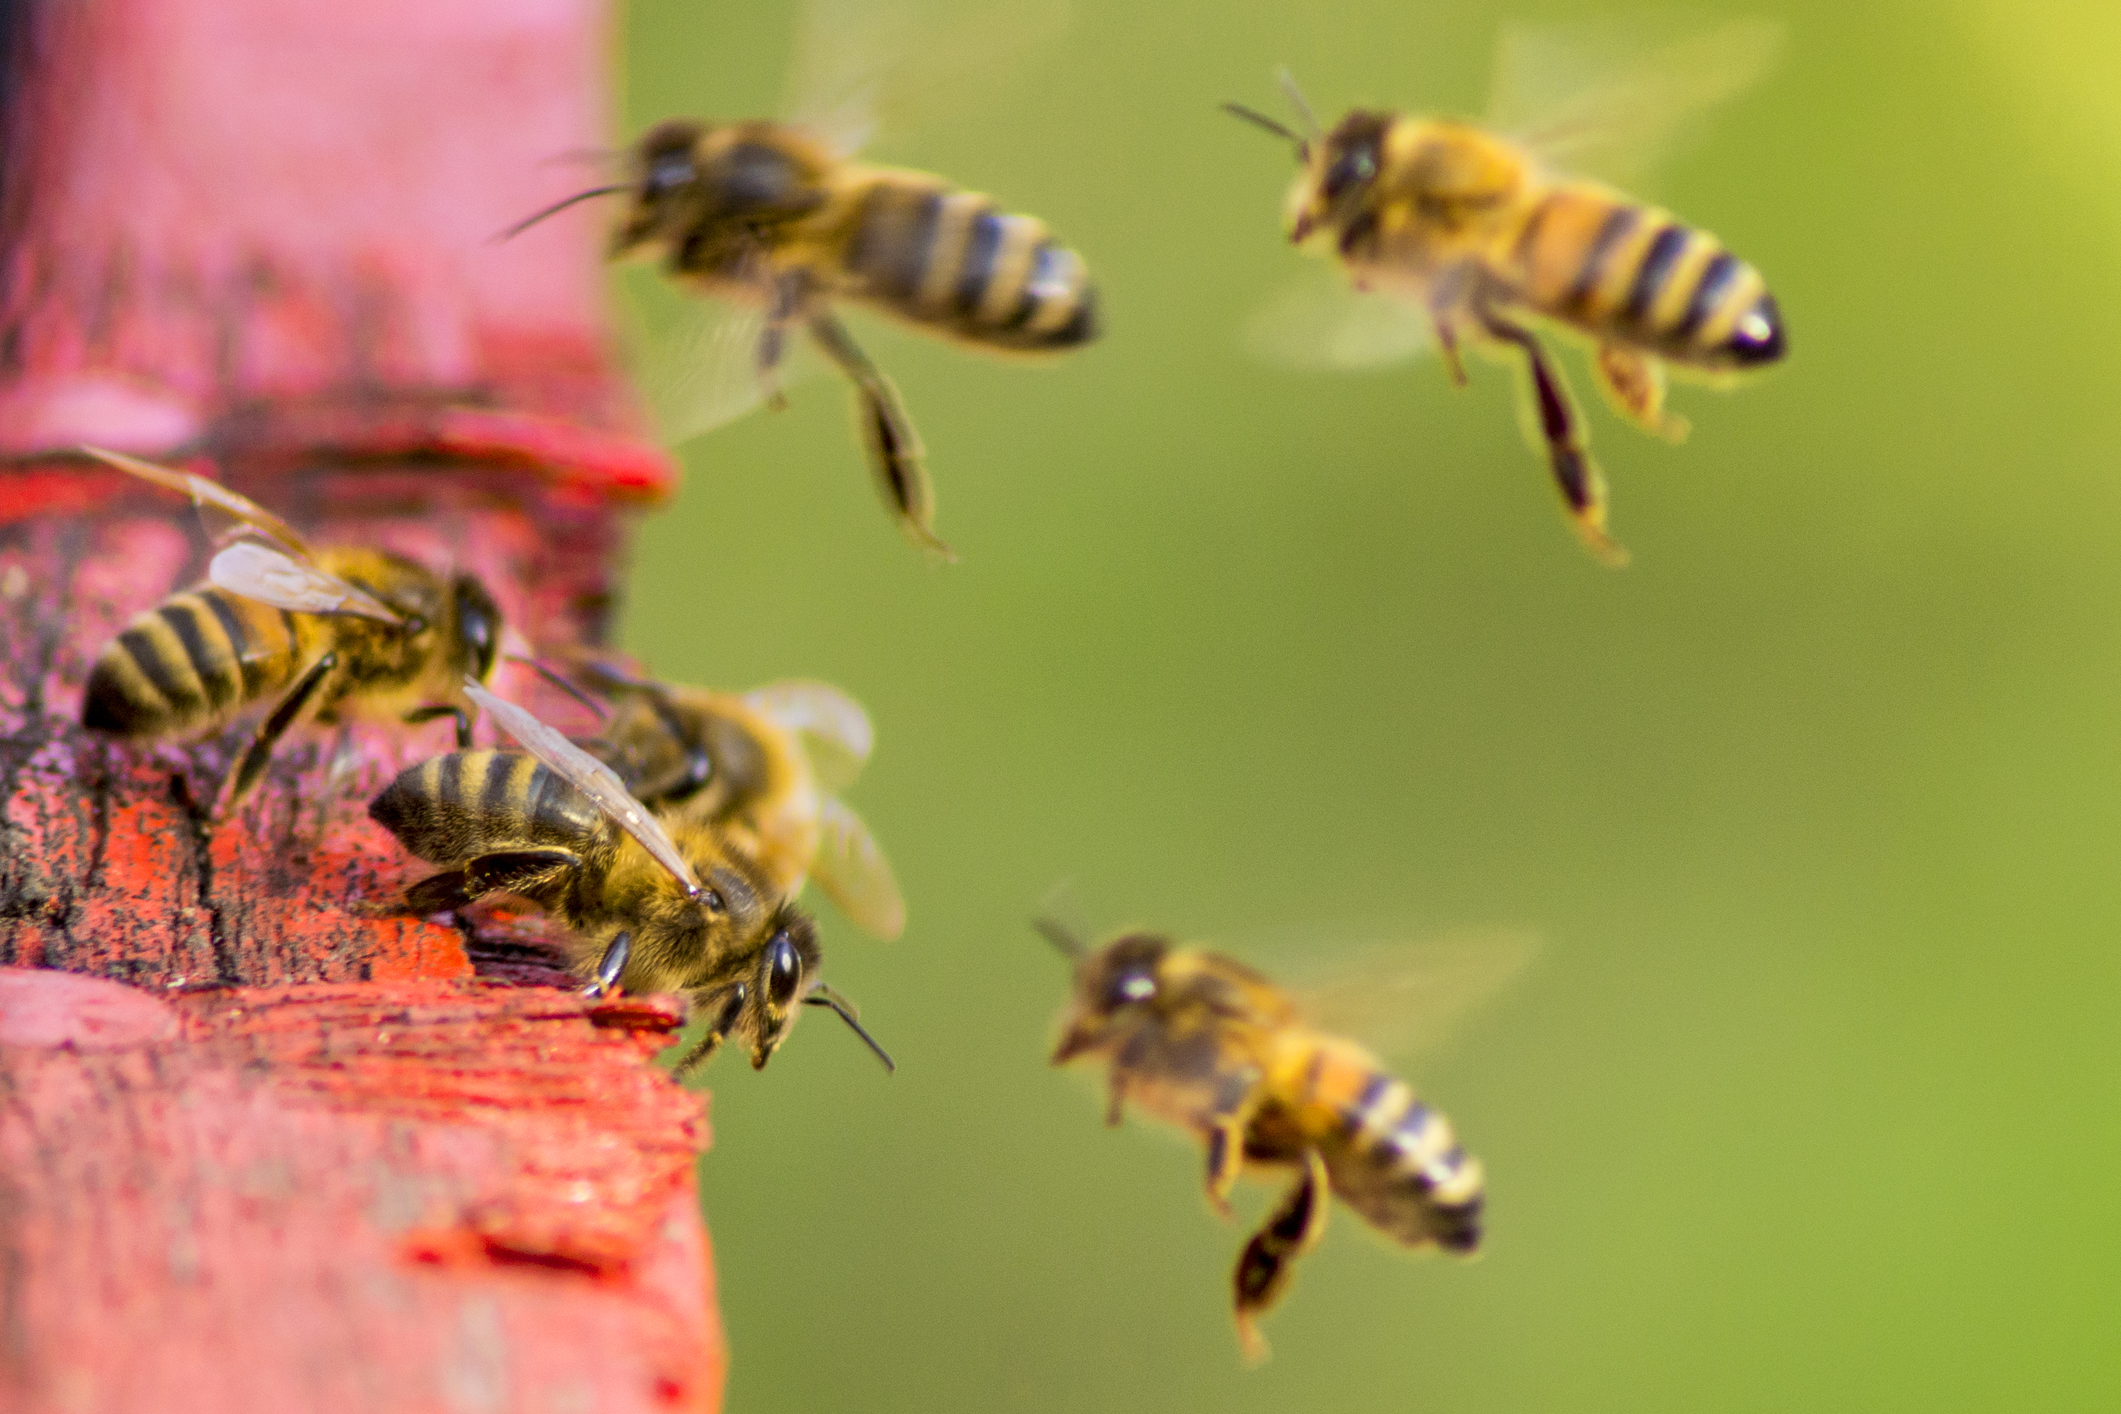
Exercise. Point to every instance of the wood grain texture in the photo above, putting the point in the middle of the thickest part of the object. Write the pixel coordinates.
(265, 1144)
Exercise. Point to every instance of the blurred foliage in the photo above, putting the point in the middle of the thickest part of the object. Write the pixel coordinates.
(1811, 1099)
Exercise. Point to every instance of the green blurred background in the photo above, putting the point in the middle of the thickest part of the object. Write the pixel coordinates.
(1810, 1099)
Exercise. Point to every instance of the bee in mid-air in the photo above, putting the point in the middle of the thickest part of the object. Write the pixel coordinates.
(776, 219)
(761, 769)
(656, 903)
(319, 633)
(1473, 233)
(1208, 1044)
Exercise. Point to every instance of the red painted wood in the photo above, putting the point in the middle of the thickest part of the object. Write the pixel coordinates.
(266, 1145)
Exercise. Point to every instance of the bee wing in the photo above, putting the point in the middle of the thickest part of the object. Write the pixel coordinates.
(1321, 322)
(247, 514)
(1408, 997)
(835, 730)
(698, 360)
(589, 776)
(854, 874)
(267, 573)
(864, 66)
(1612, 101)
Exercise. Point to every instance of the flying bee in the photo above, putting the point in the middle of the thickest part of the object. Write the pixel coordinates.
(1475, 234)
(777, 221)
(760, 768)
(655, 903)
(319, 633)
(1208, 1044)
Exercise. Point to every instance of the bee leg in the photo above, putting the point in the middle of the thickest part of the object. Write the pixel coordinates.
(515, 870)
(612, 964)
(1633, 382)
(724, 1022)
(789, 296)
(428, 714)
(1447, 347)
(893, 446)
(1226, 1155)
(1561, 430)
(1116, 1100)
(1263, 1268)
(292, 704)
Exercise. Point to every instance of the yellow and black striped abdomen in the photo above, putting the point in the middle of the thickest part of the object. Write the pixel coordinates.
(451, 809)
(1636, 276)
(953, 261)
(191, 662)
(1391, 1157)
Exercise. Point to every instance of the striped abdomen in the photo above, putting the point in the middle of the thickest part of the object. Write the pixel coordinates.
(1634, 275)
(454, 808)
(191, 662)
(954, 262)
(1392, 1158)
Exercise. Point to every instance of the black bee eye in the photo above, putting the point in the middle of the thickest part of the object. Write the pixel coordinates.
(1133, 985)
(1357, 164)
(669, 172)
(784, 972)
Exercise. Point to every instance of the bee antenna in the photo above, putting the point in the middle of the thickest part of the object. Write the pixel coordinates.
(1259, 119)
(1060, 935)
(552, 676)
(555, 209)
(822, 995)
(1287, 81)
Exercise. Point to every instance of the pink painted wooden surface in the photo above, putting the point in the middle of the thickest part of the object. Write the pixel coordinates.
(267, 1146)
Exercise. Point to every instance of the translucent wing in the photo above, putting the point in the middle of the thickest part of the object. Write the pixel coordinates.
(1614, 101)
(1321, 322)
(268, 574)
(835, 730)
(862, 66)
(210, 494)
(854, 874)
(698, 361)
(588, 775)
(1405, 998)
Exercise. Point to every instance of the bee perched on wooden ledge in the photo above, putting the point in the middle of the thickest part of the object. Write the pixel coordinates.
(1460, 233)
(779, 223)
(657, 903)
(319, 633)
(1206, 1043)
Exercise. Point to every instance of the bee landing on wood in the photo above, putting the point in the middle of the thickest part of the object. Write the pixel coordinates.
(657, 903)
(319, 633)
(779, 223)
(1472, 233)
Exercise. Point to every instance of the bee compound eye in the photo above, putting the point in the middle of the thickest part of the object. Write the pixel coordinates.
(668, 173)
(713, 902)
(784, 972)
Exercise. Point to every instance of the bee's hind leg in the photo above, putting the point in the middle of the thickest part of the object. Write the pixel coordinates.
(1263, 1273)
(293, 704)
(1560, 428)
(893, 446)
(1226, 1137)
(1633, 382)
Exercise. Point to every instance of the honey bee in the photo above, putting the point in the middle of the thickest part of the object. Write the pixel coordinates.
(656, 903)
(759, 768)
(1208, 1044)
(1474, 233)
(777, 221)
(318, 633)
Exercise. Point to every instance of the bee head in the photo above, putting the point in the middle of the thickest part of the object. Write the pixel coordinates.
(478, 621)
(666, 189)
(778, 982)
(1118, 980)
(1340, 170)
